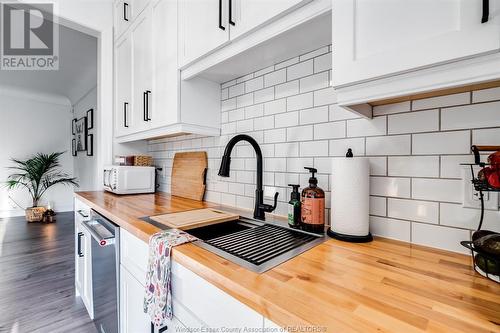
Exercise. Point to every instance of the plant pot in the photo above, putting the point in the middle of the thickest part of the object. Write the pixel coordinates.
(34, 214)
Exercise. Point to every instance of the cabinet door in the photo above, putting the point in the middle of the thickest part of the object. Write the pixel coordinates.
(132, 317)
(123, 86)
(165, 93)
(249, 14)
(373, 39)
(203, 27)
(79, 260)
(142, 77)
(122, 16)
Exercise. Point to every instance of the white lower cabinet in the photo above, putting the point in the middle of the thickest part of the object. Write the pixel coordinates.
(132, 317)
(197, 303)
(83, 259)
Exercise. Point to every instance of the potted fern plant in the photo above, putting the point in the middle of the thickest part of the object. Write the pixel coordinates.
(37, 174)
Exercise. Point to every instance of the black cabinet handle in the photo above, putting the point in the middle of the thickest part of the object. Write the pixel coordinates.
(80, 254)
(220, 16)
(125, 110)
(486, 11)
(125, 11)
(144, 117)
(148, 118)
(231, 13)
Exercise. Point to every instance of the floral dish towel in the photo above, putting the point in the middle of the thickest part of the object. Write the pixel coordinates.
(158, 298)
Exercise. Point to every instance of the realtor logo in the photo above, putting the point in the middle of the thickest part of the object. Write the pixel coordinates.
(29, 37)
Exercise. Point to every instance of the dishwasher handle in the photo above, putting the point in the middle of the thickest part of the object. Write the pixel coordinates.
(99, 232)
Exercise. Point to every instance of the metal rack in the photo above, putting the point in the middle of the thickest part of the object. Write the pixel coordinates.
(482, 186)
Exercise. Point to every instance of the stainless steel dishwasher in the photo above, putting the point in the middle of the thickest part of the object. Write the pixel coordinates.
(105, 272)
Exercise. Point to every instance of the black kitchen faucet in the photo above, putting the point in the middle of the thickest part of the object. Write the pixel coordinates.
(260, 206)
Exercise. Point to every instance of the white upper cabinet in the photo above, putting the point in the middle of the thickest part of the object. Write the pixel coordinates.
(122, 17)
(375, 39)
(142, 68)
(148, 90)
(245, 15)
(203, 27)
(123, 88)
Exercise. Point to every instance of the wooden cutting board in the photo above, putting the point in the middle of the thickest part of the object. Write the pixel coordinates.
(194, 218)
(189, 175)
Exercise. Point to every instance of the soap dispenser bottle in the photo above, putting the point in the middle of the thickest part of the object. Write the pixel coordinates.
(294, 212)
(313, 205)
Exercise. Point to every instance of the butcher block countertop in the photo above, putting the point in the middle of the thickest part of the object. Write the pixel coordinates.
(382, 286)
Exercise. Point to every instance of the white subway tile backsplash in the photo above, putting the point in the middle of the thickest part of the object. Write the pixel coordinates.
(236, 90)
(228, 104)
(454, 215)
(237, 114)
(471, 116)
(287, 89)
(299, 133)
(439, 236)
(264, 123)
(490, 136)
(274, 107)
(289, 149)
(254, 111)
(297, 102)
(486, 95)
(244, 100)
(264, 95)
(339, 147)
(275, 78)
(366, 127)
(314, 148)
(413, 122)
(254, 84)
(441, 143)
(299, 70)
(413, 166)
(286, 63)
(378, 166)
(414, 153)
(378, 206)
(331, 130)
(275, 135)
(314, 115)
(390, 187)
(314, 54)
(314, 82)
(325, 96)
(422, 211)
(450, 165)
(446, 190)
(297, 164)
(441, 101)
(390, 228)
(391, 108)
(340, 113)
(286, 119)
(388, 145)
(323, 63)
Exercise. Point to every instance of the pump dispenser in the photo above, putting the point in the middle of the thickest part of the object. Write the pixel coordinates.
(313, 205)
(294, 212)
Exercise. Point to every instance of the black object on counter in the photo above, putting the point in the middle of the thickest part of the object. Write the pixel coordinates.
(294, 207)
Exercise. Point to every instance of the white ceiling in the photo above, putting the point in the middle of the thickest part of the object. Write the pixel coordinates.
(77, 72)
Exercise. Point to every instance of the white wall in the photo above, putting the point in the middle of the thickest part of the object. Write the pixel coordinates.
(30, 124)
(414, 148)
(85, 167)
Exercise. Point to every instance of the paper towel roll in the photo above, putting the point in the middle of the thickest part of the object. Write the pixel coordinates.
(350, 197)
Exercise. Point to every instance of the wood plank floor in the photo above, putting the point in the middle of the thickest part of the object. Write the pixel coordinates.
(37, 290)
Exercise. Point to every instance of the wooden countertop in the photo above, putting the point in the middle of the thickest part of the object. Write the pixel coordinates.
(382, 286)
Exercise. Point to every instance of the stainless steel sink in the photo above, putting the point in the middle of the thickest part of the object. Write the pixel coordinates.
(255, 245)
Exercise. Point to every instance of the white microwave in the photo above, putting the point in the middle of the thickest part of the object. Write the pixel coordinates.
(129, 179)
